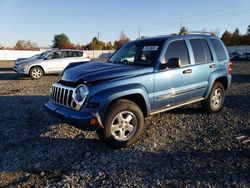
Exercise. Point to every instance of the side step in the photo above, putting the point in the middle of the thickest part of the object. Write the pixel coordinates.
(177, 105)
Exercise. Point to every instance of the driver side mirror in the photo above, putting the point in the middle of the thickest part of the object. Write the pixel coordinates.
(173, 63)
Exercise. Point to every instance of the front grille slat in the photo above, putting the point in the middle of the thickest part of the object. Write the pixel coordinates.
(66, 96)
(62, 95)
(70, 97)
(58, 95)
(54, 92)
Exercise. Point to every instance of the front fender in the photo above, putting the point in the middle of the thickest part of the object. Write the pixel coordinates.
(106, 96)
(215, 75)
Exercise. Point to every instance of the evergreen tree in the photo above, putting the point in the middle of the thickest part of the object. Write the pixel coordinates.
(95, 44)
(248, 30)
(109, 46)
(183, 31)
(236, 37)
(62, 41)
(227, 38)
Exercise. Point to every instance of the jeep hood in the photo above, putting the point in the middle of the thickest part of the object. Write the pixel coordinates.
(99, 71)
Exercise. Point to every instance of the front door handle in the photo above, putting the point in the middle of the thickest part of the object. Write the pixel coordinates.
(188, 71)
(212, 66)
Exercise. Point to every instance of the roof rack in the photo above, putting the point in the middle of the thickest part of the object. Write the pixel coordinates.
(199, 32)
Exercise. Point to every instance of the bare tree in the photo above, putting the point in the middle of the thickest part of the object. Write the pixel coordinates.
(25, 45)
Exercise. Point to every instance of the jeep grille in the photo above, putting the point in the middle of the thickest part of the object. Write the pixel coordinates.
(62, 95)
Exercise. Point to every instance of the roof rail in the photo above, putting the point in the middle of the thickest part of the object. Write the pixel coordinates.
(199, 32)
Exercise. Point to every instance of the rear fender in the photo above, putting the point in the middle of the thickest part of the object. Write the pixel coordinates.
(215, 75)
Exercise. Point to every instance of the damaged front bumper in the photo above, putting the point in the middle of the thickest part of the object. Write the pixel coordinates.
(86, 119)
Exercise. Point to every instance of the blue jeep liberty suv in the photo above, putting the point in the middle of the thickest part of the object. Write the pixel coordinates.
(143, 77)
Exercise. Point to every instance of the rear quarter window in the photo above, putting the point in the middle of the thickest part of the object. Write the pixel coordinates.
(79, 54)
(219, 49)
(201, 51)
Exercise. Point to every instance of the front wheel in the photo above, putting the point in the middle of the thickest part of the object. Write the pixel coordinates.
(123, 125)
(215, 100)
(36, 73)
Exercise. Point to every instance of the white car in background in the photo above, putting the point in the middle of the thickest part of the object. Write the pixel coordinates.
(50, 62)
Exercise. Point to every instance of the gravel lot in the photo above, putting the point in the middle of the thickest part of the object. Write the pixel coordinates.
(184, 147)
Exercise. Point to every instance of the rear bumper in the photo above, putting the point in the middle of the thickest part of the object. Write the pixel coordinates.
(80, 119)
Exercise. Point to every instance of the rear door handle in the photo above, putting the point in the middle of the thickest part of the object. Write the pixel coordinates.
(188, 71)
(212, 66)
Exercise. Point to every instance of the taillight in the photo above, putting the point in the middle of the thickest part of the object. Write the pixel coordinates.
(230, 70)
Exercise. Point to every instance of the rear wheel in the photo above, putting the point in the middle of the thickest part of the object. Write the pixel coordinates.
(36, 73)
(215, 100)
(123, 124)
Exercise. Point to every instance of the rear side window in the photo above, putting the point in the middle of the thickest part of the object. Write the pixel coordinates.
(178, 49)
(73, 54)
(219, 49)
(77, 54)
(202, 53)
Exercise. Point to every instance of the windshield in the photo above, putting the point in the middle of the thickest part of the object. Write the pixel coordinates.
(35, 56)
(44, 54)
(139, 53)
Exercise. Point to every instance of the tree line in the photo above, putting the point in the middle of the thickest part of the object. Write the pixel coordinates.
(234, 38)
(62, 41)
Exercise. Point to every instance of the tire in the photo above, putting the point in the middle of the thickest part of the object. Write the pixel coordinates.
(36, 73)
(123, 125)
(215, 100)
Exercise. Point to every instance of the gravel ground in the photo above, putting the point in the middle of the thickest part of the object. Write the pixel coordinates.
(184, 147)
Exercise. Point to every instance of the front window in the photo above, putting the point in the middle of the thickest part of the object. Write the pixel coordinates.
(44, 54)
(177, 49)
(56, 55)
(139, 53)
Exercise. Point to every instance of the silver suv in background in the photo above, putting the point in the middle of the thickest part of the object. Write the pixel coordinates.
(50, 62)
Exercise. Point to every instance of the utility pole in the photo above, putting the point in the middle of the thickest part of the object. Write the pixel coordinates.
(139, 32)
(98, 36)
(181, 23)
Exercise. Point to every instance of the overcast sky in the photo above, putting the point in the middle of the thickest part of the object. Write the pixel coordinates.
(40, 20)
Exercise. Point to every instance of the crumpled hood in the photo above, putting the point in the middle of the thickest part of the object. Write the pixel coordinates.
(98, 71)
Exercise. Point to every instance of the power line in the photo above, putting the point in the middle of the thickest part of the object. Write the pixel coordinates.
(219, 17)
(187, 18)
(210, 18)
(98, 36)
(193, 16)
(181, 23)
